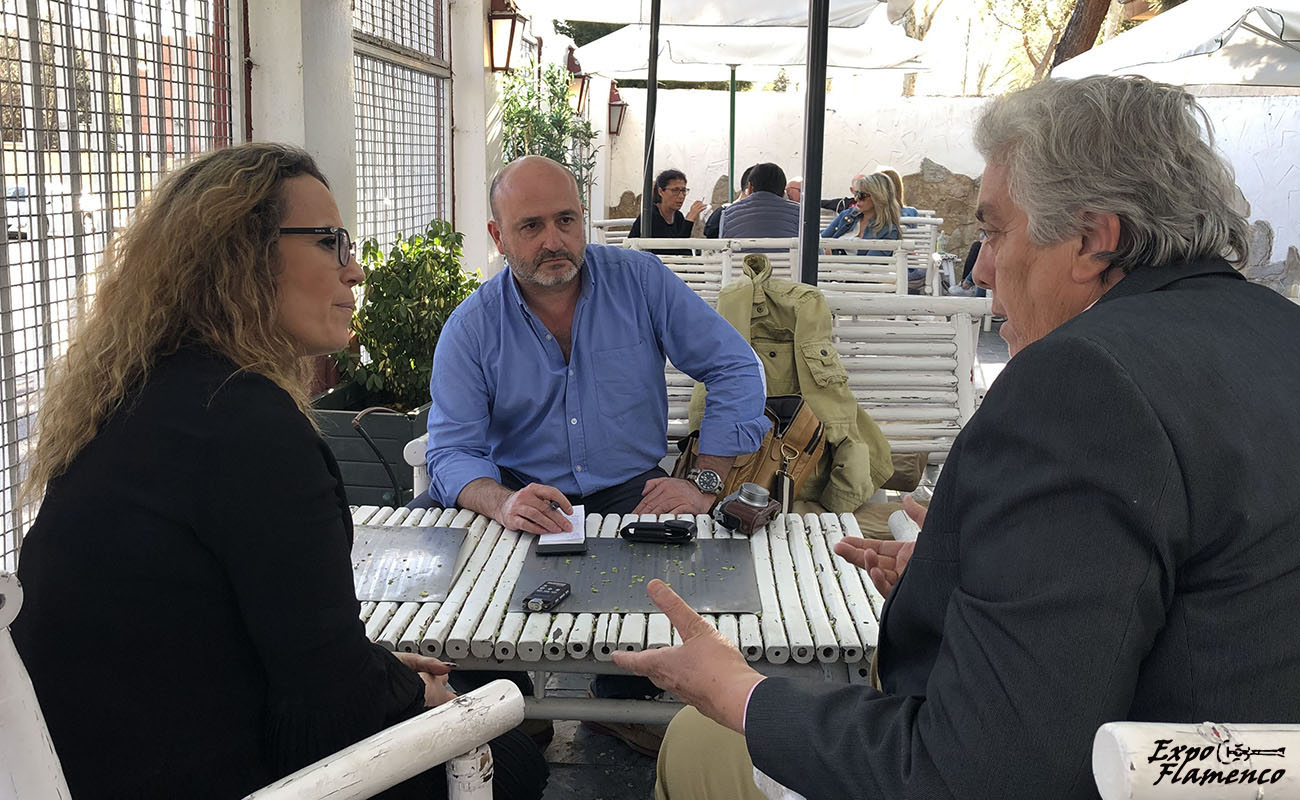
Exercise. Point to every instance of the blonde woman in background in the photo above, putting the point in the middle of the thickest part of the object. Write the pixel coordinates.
(874, 214)
(190, 624)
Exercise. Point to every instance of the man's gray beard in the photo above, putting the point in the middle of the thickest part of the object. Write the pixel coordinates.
(527, 272)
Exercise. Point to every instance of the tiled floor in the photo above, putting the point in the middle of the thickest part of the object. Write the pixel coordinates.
(587, 766)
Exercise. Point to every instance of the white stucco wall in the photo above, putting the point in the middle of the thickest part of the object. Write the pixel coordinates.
(1261, 138)
(1259, 135)
(693, 126)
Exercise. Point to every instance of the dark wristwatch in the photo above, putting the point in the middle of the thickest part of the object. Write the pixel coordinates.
(706, 480)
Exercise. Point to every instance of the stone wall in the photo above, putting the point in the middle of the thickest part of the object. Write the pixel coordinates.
(951, 196)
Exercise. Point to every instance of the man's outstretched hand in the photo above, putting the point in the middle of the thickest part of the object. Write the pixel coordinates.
(884, 560)
(705, 670)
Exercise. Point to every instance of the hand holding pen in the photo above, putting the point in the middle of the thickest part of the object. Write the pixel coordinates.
(536, 508)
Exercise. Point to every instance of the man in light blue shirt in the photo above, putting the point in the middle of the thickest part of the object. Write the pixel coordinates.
(548, 382)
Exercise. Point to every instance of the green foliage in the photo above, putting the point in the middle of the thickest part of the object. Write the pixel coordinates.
(584, 33)
(409, 293)
(536, 119)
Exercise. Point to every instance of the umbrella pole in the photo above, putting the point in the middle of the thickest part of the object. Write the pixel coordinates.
(731, 157)
(813, 133)
(651, 102)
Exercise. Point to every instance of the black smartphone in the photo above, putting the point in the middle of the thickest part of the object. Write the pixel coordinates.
(547, 596)
(673, 531)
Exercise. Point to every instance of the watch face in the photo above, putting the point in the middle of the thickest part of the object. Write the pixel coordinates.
(708, 481)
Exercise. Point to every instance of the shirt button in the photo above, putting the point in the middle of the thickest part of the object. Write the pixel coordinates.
(573, 421)
(578, 468)
(823, 352)
(773, 354)
(548, 337)
(570, 372)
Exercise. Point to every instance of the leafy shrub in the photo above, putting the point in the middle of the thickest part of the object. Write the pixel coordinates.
(409, 293)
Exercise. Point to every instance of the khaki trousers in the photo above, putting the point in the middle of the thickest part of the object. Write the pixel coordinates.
(701, 760)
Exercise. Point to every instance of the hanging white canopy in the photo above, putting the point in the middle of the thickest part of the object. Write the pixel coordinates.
(694, 53)
(843, 13)
(1238, 42)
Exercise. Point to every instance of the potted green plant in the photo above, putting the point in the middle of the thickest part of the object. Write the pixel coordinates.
(410, 291)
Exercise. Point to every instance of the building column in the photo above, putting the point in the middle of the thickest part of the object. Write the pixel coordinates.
(476, 140)
(303, 87)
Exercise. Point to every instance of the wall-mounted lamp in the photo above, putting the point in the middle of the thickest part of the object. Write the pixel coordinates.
(617, 109)
(579, 83)
(505, 30)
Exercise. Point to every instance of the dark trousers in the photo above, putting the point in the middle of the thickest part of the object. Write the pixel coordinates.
(618, 499)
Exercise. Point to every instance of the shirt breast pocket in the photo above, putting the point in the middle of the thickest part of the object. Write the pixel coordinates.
(622, 385)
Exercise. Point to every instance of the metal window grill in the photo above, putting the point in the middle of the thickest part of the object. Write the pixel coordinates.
(411, 25)
(401, 119)
(97, 99)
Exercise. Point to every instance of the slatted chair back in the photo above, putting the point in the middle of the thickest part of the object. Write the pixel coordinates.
(705, 270)
(611, 231)
(855, 272)
(910, 362)
(923, 233)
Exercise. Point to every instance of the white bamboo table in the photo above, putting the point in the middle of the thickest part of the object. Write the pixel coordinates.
(819, 618)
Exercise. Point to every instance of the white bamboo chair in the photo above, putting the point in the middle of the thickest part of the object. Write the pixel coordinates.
(611, 231)
(454, 733)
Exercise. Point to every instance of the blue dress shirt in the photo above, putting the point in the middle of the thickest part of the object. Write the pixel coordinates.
(503, 395)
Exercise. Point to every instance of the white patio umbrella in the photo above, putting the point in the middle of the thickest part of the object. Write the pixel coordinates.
(699, 52)
(817, 15)
(843, 13)
(1238, 42)
(693, 53)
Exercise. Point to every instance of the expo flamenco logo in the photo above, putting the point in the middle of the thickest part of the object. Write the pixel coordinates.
(1223, 759)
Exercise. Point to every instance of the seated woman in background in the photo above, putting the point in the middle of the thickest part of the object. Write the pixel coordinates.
(191, 626)
(873, 215)
(667, 221)
(904, 209)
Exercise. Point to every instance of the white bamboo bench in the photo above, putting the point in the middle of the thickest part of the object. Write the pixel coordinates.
(910, 362)
(923, 233)
(454, 733)
(715, 261)
(819, 618)
(611, 231)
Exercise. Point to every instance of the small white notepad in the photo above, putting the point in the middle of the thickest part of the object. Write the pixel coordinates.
(576, 538)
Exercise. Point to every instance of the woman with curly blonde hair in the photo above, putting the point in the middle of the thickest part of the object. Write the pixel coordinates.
(194, 538)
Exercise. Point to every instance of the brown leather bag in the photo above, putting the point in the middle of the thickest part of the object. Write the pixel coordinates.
(784, 460)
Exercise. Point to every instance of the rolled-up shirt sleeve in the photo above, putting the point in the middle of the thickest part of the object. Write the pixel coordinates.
(458, 418)
(705, 346)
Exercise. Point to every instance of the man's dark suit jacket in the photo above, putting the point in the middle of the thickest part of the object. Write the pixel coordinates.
(1116, 535)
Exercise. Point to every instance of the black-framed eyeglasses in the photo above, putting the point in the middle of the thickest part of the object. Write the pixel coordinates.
(675, 190)
(344, 247)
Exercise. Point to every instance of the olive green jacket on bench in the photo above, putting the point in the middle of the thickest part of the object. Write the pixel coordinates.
(789, 326)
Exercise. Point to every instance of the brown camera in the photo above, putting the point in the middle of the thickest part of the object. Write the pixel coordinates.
(747, 509)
